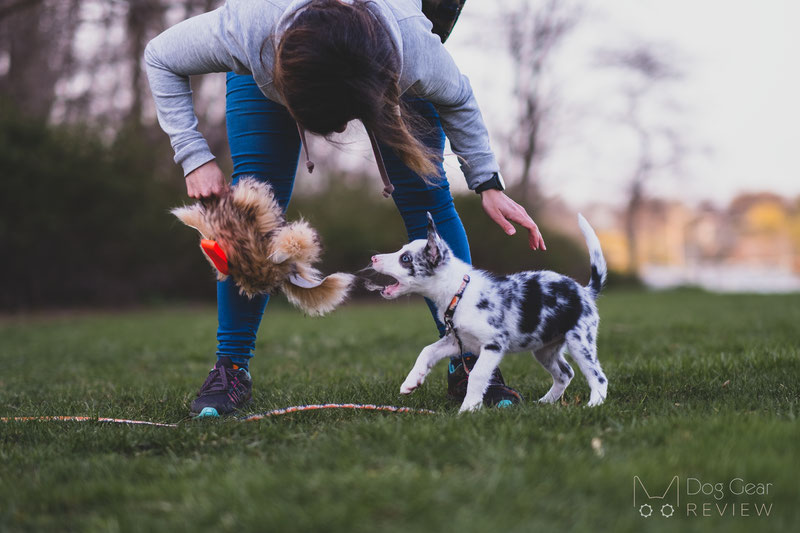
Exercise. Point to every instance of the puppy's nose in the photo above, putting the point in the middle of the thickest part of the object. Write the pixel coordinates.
(375, 259)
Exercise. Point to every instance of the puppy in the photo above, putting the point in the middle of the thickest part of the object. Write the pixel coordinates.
(541, 311)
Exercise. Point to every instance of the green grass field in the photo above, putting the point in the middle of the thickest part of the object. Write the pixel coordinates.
(701, 386)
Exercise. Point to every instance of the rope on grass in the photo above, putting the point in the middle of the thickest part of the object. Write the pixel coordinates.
(84, 419)
(247, 418)
(355, 406)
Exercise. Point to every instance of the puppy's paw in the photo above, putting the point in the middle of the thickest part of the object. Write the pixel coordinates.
(468, 407)
(595, 398)
(407, 388)
(548, 398)
(412, 382)
(410, 385)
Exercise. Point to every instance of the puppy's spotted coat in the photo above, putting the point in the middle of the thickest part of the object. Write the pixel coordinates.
(541, 311)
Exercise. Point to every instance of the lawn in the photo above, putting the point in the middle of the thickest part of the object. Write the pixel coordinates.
(703, 387)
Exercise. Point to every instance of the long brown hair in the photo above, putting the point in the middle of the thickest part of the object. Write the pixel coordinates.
(335, 63)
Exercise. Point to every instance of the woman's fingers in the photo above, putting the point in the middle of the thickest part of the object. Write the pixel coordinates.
(500, 219)
(205, 181)
(502, 209)
(522, 218)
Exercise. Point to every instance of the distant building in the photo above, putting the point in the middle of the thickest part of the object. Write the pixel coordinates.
(753, 244)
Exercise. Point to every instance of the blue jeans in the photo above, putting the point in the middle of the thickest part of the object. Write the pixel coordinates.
(265, 144)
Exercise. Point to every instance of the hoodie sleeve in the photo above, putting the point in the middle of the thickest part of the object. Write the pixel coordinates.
(439, 81)
(199, 45)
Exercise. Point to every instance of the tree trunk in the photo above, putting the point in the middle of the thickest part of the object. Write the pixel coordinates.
(38, 38)
(142, 17)
(631, 215)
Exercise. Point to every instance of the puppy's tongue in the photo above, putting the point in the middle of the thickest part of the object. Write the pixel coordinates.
(388, 291)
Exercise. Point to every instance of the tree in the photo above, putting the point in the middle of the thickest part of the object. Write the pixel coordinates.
(36, 44)
(141, 18)
(648, 76)
(535, 31)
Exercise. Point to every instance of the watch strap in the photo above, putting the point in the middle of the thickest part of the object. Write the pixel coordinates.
(495, 182)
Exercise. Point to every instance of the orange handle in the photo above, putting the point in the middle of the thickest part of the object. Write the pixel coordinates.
(214, 252)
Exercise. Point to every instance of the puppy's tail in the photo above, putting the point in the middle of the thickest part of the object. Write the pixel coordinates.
(599, 268)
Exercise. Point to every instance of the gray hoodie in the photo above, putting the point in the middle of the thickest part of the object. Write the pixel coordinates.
(232, 38)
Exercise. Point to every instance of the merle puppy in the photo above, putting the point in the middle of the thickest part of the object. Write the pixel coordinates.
(541, 311)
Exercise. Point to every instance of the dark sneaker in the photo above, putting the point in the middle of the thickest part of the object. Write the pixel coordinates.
(225, 390)
(497, 394)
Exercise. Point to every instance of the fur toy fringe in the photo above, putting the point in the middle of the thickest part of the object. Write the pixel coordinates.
(265, 252)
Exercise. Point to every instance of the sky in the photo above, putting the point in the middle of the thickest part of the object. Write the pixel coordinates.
(736, 104)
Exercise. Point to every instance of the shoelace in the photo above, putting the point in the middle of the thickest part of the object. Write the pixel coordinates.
(217, 380)
(235, 393)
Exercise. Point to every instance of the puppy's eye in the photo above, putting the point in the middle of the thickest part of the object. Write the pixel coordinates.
(405, 259)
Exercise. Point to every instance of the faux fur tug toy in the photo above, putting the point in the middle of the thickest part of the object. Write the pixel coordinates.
(245, 235)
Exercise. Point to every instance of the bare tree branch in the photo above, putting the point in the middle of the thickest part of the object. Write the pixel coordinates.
(647, 71)
(533, 36)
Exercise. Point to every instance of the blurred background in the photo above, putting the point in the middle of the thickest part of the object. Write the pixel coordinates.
(670, 124)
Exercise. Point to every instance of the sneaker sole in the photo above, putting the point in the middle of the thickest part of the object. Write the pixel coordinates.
(207, 412)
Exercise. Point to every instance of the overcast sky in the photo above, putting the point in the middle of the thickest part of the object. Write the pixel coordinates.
(738, 100)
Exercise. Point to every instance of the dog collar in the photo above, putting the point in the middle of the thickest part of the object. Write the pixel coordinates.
(451, 309)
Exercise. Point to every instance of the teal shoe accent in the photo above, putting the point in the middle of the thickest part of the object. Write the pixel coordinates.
(505, 403)
(452, 368)
(208, 412)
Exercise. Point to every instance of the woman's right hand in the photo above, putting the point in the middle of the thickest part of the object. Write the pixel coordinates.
(206, 181)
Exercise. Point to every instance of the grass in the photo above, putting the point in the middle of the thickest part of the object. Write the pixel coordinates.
(701, 386)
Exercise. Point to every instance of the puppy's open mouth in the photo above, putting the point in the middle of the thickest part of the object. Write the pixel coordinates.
(384, 283)
(390, 290)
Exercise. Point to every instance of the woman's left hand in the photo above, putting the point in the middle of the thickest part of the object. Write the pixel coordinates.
(503, 209)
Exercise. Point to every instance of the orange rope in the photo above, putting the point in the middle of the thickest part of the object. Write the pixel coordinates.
(247, 418)
(84, 419)
(314, 407)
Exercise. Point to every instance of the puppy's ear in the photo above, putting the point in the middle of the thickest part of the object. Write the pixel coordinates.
(431, 225)
(434, 248)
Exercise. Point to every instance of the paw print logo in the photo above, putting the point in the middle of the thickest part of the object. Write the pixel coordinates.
(667, 510)
(645, 510)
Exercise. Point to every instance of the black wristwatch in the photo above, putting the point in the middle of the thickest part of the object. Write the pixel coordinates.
(495, 182)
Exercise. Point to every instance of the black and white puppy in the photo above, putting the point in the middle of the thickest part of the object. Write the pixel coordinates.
(541, 311)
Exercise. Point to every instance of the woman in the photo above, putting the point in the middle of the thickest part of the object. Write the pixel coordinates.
(316, 65)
